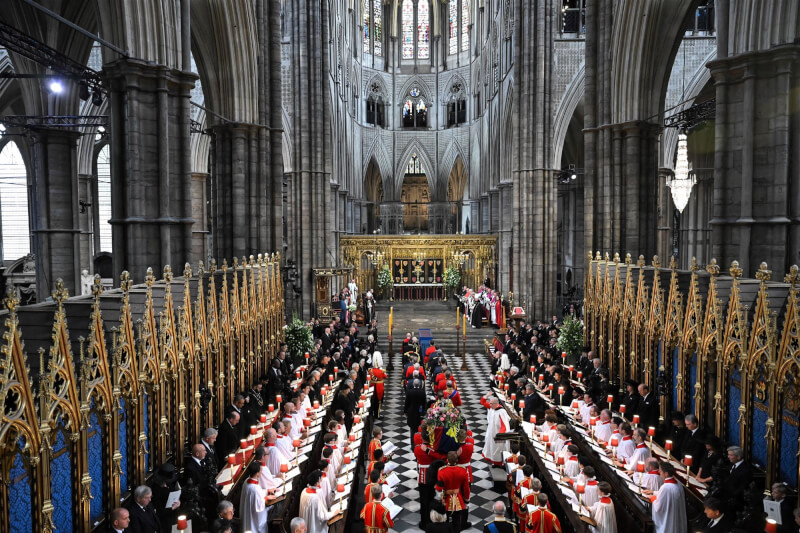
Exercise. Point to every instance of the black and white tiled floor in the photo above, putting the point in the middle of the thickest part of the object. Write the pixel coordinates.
(472, 384)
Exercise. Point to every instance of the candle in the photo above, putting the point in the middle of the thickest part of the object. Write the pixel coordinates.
(505, 387)
(316, 404)
(335, 370)
(279, 398)
(541, 377)
(352, 437)
(610, 399)
(522, 404)
(297, 374)
(533, 419)
(668, 445)
(550, 387)
(580, 374)
(614, 441)
(592, 420)
(640, 466)
(263, 419)
(347, 459)
(635, 419)
(651, 431)
(243, 444)
(252, 430)
(571, 368)
(182, 523)
(772, 526)
(513, 396)
(356, 419)
(580, 488)
(622, 408)
(360, 405)
(330, 378)
(231, 459)
(306, 355)
(307, 422)
(284, 468)
(270, 408)
(560, 460)
(574, 404)
(561, 390)
(563, 355)
(297, 443)
(546, 437)
(340, 487)
(687, 460)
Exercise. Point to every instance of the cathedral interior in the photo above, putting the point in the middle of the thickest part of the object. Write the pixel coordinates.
(178, 176)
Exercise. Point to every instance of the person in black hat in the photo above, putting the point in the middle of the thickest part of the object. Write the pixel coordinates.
(162, 483)
(678, 434)
(631, 399)
(712, 458)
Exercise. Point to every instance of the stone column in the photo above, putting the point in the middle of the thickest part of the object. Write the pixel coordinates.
(200, 233)
(150, 166)
(56, 224)
(392, 218)
(439, 218)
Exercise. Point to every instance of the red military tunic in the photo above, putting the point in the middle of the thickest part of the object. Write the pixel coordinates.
(410, 372)
(424, 460)
(454, 482)
(526, 483)
(465, 458)
(376, 518)
(368, 490)
(454, 397)
(543, 521)
(378, 375)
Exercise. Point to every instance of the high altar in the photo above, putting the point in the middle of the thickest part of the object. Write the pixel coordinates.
(417, 262)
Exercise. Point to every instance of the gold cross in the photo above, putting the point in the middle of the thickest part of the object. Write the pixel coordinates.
(418, 270)
(434, 272)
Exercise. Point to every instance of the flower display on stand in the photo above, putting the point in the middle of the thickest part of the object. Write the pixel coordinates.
(452, 277)
(570, 337)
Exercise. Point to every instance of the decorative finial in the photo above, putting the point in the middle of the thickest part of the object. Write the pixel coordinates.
(735, 271)
(149, 278)
(97, 286)
(673, 263)
(212, 265)
(235, 262)
(200, 269)
(656, 262)
(125, 281)
(168, 273)
(224, 265)
(641, 262)
(763, 275)
(793, 276)
(693, 266)
(713, 268)
(61, 293)
(598, 257)
(607, 257)
(628, 259)
(187, 271)
(616, 257)
(11, 300)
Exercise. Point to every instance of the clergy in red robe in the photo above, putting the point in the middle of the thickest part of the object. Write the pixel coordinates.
(454, 485)
(376, 517)
(541, 520)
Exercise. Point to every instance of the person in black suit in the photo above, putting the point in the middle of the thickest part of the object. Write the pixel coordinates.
(119, 521)
(631, 398)
(227, 438)
(694, 441)
(143, 517)
(739, 478)
(648, 408)
(678, 435)
(498, 523)
(534, 405)
(415, 405)
(718, 520)
(194, 470)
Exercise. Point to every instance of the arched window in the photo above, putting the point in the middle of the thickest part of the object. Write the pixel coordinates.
(456, 105)
(458, 20)
(14, 203)
(373, 27)
(416, 26)
(104, 198)
(376, 106)
(415, 110)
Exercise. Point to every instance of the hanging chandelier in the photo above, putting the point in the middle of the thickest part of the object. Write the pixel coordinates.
(681, 184)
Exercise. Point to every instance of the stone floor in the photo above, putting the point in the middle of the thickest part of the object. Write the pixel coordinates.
(473, 383)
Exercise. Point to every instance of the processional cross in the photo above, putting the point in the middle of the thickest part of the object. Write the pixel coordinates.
(418, 269)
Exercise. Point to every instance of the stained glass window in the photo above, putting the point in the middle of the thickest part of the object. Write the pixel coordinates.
(453, 21)
(408, 29)
(366, 26)
(464, 25)
(377, 23)
(423, 30)
(14, 203)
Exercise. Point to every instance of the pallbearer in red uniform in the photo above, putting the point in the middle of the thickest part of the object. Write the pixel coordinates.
(465, 450)
(541, 520)
(454, 484)
(378, 376)
(376, 517)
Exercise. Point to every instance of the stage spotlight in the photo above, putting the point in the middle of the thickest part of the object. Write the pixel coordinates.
(97, 97)
(56, 87)
(83, 90)
(574, 176)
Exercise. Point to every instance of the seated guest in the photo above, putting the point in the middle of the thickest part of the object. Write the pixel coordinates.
(711, 458)
(120, 519)
(603, 512)
(224, 516)
(718, 520)
(677, 434)
(778, 495)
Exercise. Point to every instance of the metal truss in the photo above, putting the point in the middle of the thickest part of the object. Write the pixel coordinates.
(694, 116)
(54, 121)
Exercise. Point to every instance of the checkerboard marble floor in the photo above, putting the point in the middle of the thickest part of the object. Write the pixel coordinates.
(472, 384)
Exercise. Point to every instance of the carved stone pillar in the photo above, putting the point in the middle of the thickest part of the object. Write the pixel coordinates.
(151, 185)
(439, 218)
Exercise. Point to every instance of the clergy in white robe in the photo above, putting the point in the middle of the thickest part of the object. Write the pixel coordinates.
(603, 430)
(641, 452)
(498, 422)
(669, 506)
(591, 494)
(651, 478)
(626, 446)
(285, 445)
(275, 457)
(572, 467)
(313, 509)
(265, 479)
(252, 503)
(603, 511)
(586, 408)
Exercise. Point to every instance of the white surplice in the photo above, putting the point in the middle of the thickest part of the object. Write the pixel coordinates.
(275, 458)
(266, 480)
(649, 480)
(603, 513)
(498, 423)
(602, 431)
(253, 508)
(314, 511)
(640, 453)
(626, 447)
(669, 509)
